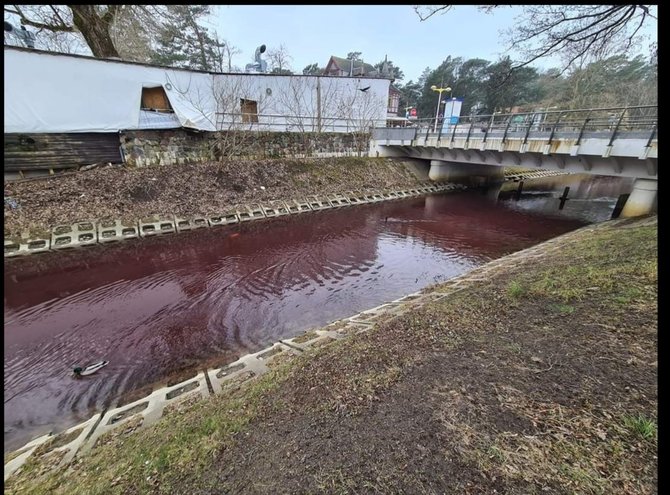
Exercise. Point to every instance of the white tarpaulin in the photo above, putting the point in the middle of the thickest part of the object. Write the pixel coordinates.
(55, 93)
(59, 93)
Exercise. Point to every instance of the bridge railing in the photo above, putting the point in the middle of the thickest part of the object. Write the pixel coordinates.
(604, 122)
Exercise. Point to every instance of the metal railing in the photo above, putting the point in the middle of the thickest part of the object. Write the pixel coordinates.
(605, 122)
(294, 123)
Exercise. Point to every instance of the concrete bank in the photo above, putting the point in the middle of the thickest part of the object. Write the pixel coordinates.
(89, 233)
(110, 427)
(190, 190)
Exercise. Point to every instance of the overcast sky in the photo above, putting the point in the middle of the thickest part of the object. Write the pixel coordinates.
(314, 33)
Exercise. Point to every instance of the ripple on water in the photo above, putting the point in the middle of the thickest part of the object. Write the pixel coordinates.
(156, 307)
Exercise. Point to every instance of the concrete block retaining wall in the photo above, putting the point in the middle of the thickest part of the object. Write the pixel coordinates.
(89, 233)
(174, 147)
(143, 412)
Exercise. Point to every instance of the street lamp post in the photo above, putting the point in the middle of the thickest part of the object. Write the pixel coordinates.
(439, 97)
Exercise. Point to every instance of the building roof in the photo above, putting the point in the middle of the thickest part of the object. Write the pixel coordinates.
(345, 65)
(145, 64)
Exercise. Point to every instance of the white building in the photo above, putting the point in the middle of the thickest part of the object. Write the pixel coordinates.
(48, 92)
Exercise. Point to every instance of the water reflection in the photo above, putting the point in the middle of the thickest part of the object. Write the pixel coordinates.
(590, 198)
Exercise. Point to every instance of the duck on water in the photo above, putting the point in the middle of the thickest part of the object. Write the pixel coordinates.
(89, 370)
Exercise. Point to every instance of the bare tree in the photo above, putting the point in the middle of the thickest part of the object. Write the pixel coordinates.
(575, 30)
(94, 22)
(231, 105)
(132, 34)
(307, 103)
(360, 110)
(229, 51)
(218, 54)
(55, 41)
(239, 112)
(279, 59)
(297, 100)
(307, 106)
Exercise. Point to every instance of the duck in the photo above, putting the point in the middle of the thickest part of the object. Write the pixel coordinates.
(89, 370)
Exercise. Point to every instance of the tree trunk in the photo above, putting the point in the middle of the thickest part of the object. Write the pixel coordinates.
(95, 29)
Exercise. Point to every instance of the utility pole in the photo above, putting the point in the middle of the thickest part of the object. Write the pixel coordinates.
(318, 103)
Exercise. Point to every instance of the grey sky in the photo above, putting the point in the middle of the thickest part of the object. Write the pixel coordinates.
(313, 33)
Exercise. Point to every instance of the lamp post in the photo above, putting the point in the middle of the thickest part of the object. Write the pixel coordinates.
(439, 97)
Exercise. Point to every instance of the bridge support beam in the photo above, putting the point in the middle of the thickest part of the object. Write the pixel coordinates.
(465, 173)
(380, 151)
(642, 199)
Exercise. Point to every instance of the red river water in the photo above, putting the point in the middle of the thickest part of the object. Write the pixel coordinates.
(162, 307)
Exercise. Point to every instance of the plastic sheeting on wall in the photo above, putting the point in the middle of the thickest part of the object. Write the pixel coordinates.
(57, 93)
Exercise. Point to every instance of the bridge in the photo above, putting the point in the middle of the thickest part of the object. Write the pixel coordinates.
(618, 141)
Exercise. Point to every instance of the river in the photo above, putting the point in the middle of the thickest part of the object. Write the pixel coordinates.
(162, 308)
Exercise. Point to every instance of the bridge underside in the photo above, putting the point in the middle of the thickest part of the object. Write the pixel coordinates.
(465, 173)
(481, 167)
(622, 166)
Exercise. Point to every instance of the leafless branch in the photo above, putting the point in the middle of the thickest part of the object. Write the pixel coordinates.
(55, 27)
(580, 30)
(431, 10)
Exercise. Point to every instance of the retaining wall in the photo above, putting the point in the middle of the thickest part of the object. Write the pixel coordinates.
(174, 147)
(89, 233)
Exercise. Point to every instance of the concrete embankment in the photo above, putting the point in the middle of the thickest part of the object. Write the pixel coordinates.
(189, 190)
(534, 372)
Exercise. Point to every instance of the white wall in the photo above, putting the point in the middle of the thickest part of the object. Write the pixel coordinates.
(60, 93)
(291, 102)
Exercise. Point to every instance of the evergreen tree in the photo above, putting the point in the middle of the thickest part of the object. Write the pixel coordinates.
(393, 71)
(183, 42)
(312, 70)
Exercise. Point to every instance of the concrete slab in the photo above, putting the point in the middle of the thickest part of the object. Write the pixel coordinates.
(26, 244)
(252, 211)
(374, 197)
(156, 225)
(12, 466)
(75, 235)
(112, 231)
(275, 209)
(298, 206)
(338, 200)
(150, 407)
(184, 224)
(356, 197)
(251, 365)
(318, 202)
(226, 218)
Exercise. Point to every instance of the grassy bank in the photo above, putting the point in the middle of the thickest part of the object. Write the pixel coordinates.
(188, 190)
(540, 379)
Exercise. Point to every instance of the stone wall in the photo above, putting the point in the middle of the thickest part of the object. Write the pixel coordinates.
(174, 147)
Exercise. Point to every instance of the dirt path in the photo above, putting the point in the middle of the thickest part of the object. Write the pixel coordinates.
(539, 379)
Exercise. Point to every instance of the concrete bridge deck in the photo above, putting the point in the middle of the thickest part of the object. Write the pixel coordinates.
(604, 141)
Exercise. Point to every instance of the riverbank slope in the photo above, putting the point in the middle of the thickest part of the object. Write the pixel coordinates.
(189, 190)
(540, 376)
